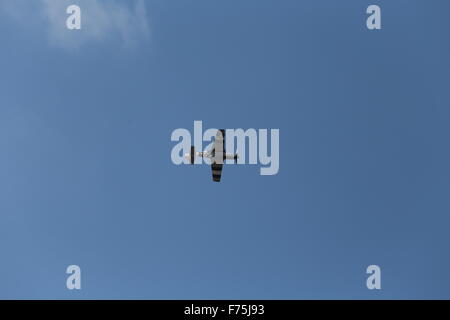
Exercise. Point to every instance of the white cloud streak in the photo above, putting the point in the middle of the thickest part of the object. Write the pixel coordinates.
(123, 21)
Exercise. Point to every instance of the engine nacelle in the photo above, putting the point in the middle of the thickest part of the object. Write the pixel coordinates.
(191, 156)
(232, 157)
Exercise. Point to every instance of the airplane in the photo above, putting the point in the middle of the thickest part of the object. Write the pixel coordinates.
(217, 155)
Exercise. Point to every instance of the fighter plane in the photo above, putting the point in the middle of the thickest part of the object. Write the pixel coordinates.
(217, 155)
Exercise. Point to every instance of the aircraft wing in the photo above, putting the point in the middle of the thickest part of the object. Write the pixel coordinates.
(219, 142)
(218, 152)
(216, 171)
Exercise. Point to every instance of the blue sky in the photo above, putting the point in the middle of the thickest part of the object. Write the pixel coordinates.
(86, 176)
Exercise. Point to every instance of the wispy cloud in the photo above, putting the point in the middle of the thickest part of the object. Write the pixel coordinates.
(123, 21)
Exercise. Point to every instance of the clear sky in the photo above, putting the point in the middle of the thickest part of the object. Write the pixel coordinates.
(86, 176)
